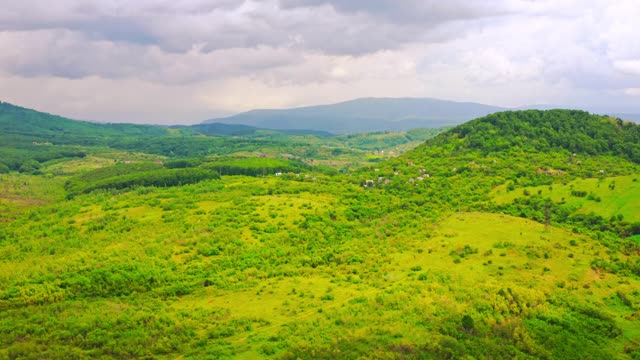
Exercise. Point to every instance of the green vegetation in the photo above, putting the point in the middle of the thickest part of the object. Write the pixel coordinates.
(157, 178)
(451, 250)
(256, 166)
(553, 130)
(607, 197)
(30, 138)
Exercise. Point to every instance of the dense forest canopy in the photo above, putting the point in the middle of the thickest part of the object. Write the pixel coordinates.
(552, 130)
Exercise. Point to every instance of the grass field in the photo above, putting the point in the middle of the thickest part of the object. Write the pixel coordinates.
(603, 196)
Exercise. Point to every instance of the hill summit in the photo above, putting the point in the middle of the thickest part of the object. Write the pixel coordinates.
(543, 131)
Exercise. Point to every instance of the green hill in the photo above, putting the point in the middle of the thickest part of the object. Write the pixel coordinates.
(453, 250)
(542, 131)
(29, 138)
(20, 124)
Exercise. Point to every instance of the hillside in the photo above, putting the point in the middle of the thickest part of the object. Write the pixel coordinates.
(22, 124)
(542, 131)
(365, 115)
(454, 249)
(29, 138)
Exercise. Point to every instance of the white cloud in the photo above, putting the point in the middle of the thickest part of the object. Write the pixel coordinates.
(628, 66)
(632, 91)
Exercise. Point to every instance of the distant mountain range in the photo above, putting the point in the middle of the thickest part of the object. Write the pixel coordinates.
(363, 115)
(374, 114)
(354, 116)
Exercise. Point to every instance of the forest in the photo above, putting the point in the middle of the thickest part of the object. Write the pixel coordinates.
(515, 235)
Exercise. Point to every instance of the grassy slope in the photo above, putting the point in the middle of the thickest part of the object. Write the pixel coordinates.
(286, 279)
(27, 124)
(623, 199)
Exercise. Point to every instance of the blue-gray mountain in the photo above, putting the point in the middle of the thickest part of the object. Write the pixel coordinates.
(368, 114)
(379, 114)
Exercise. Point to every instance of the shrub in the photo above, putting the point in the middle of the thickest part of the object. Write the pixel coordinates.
(578, 193)
(468, 323)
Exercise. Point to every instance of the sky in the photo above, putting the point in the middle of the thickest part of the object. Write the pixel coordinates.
(184, 61)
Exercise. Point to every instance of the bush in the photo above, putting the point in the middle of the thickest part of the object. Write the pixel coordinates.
(578, 193)
(468, 323)
(182, 163)
(29, 167)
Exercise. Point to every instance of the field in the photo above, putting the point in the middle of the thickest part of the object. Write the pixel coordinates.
(249, 267)
(604, 196)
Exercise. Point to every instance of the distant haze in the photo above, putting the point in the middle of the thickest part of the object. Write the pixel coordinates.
(371, 114)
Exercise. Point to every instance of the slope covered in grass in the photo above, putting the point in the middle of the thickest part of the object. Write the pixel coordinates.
(268, 266)
(607, 197)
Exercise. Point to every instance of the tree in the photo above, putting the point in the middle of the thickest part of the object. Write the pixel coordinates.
(468, 323)
(30, 166)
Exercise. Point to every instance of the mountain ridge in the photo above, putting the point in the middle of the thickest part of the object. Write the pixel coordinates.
(365, 114)
(384, 114)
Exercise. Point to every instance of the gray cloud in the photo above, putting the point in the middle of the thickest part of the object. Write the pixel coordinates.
(71, 55)
(235, 54)
(170, 41)
(347, 27)
(424, 12)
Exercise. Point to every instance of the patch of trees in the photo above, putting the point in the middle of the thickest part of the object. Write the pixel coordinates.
(158, 178)
(182, 163)
(109, 172)
(27, 159)
(578, 193)
(256, 166)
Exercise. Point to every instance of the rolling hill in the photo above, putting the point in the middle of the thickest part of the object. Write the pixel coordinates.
(572, 131)
(29, 137)
(20, 124)
(514, 235)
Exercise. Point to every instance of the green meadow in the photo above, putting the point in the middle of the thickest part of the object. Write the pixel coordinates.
(605, 196)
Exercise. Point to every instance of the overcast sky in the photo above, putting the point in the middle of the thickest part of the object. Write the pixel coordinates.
(182, 61)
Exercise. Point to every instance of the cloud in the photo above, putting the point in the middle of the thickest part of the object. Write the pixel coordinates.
(197, 40)
(192, 41)
(628, 66)
(632, 91)
(107, 100)
(334, 27)
(222, 56)
(415, 11)
(68, 54)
